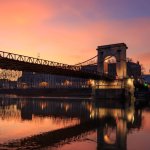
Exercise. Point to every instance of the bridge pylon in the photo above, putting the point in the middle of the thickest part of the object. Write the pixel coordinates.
(118, 51)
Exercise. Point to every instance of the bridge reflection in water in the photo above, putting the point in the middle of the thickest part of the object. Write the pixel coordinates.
(112, 122)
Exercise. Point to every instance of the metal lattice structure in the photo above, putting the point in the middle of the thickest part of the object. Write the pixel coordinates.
(25, 63)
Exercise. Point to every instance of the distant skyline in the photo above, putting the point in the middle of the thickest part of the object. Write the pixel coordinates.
(69, 31)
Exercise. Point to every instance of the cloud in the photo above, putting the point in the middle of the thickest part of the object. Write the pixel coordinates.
(20, 13)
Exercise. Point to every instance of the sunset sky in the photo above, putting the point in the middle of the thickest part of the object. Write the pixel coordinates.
(69, 31)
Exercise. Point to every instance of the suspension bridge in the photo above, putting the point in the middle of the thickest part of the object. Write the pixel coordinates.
(103, 80)
(25, 63)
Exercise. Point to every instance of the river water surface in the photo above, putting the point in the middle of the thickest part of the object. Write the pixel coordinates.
(72, 123)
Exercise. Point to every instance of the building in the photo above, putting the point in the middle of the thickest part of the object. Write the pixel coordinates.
(146, 78)
(133, 69)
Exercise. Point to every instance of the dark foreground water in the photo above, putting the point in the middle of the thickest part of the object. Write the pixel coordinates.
(72, 123)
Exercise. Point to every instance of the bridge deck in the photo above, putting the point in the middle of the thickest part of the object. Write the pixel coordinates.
(24, 63)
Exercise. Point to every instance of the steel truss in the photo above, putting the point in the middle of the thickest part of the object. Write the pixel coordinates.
(26, 63)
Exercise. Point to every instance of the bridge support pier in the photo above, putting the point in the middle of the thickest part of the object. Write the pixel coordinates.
(129, 89)
(117, 89)
(93, 88)
(108, 89)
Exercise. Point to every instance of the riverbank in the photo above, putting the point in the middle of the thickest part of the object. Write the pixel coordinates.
(59, 92)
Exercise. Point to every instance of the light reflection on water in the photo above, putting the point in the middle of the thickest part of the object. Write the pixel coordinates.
(46, 123)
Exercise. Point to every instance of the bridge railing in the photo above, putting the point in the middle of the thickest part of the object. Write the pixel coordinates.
(33, 60)
(22, 58)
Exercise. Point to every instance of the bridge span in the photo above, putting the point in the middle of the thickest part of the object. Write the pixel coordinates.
(25, 63)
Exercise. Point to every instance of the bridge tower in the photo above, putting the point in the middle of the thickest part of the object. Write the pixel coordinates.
(114, 50)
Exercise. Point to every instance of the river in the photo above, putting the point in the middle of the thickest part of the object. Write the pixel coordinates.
(67, 123)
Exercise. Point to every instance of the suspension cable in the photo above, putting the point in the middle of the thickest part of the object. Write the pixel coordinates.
(85, 61)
